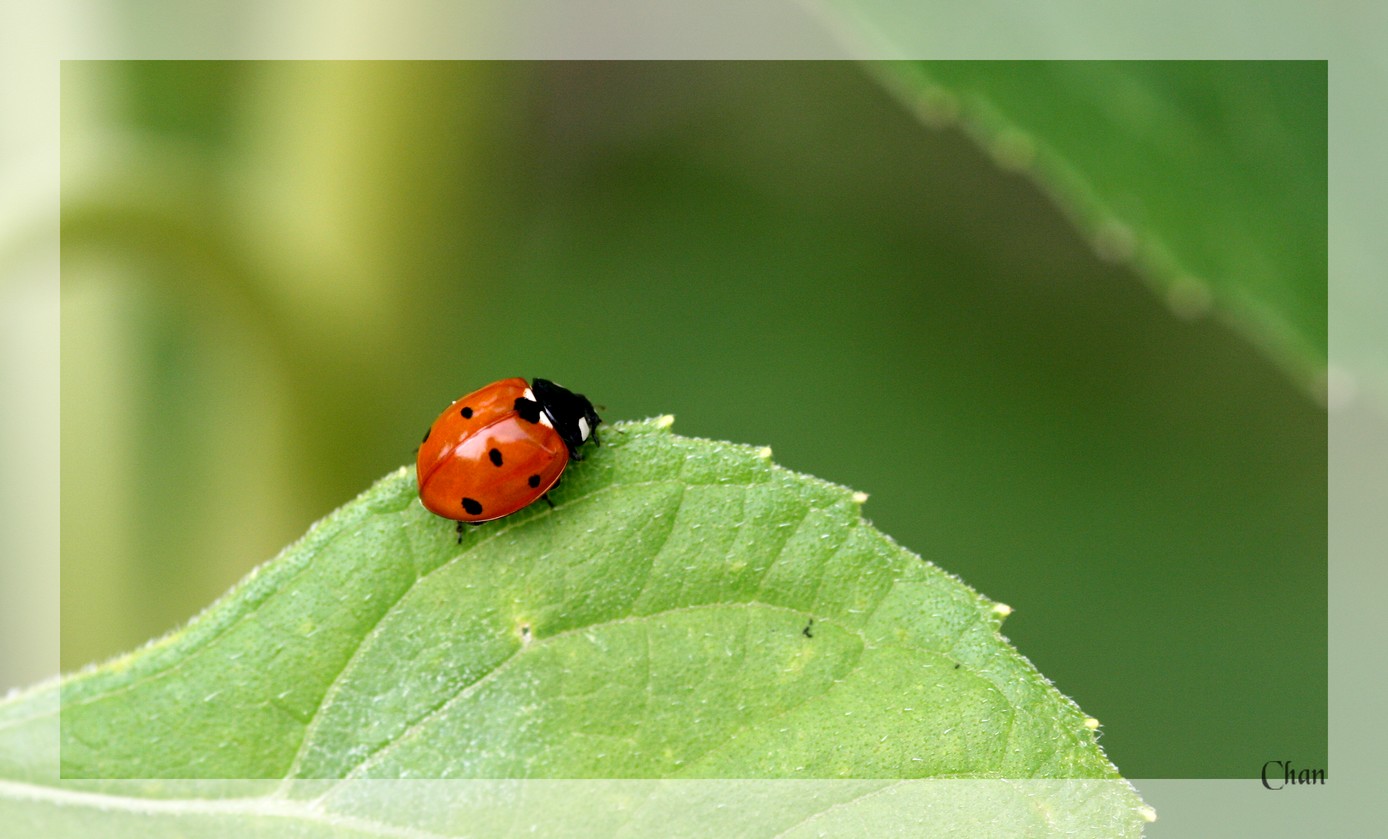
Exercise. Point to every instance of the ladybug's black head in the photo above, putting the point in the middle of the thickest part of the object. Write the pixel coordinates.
(572, 414)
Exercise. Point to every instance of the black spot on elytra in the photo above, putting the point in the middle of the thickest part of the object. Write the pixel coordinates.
(528, 409)
(534, 481)
(472, 507)
(466, 412)
(495, 455)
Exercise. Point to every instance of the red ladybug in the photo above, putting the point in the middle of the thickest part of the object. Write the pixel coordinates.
(498, 449)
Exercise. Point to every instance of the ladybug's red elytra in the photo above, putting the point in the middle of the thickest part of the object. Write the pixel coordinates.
(498, 449)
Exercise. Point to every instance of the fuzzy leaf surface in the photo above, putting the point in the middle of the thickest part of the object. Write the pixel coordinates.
(687, 610)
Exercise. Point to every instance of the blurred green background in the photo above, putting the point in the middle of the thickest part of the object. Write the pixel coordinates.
(275, 275)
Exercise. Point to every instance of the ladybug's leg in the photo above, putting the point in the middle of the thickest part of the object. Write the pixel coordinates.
(547, 501)
(460, 528)
(577, 454)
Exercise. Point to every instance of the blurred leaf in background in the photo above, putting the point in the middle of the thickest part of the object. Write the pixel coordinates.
(275, 274)
(1200, 173)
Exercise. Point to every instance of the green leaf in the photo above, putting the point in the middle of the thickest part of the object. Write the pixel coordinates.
(1209, 177)
(688, 610)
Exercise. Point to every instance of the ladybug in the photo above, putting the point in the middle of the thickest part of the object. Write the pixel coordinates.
(498, 449)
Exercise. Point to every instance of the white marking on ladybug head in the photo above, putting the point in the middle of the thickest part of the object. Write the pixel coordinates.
(545, 420)
(583, 428)
(529, 395)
